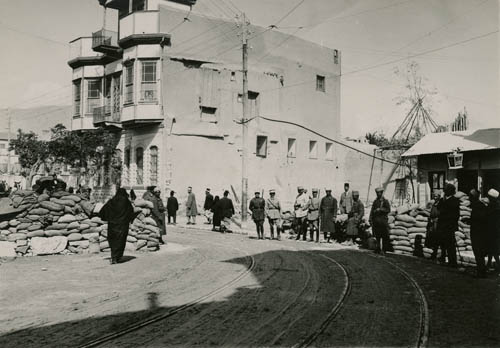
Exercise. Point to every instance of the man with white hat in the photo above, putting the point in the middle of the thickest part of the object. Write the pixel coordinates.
(379, 221)
(273, 213)
(494, 229)
(300, 207)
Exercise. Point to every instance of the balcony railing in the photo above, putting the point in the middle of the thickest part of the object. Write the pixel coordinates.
(103, 114)
(144, 22)
(82, 47)
(104, 37)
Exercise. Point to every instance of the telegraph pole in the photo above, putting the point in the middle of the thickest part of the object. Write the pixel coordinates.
(244, 127)
(8, 142)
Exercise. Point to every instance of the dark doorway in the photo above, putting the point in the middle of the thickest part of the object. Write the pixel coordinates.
(491, 179)
(467, 180)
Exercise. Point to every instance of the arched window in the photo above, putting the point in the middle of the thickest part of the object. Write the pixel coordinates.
(139, 163)
(126, 169)
(153, 151)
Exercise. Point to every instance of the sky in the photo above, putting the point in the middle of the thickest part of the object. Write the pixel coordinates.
(34, 37)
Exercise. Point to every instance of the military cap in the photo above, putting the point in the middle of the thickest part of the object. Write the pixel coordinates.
(300, 187)
(315, 190)
(272, 191)
(355, 193)
(379, 189)
(328, 190)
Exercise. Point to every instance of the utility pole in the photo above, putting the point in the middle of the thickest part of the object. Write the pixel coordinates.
(8, 142)
(244, 127)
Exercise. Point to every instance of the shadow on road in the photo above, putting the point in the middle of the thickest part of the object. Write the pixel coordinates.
(295, 293)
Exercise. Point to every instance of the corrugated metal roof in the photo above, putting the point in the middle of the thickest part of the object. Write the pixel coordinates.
(471, 140)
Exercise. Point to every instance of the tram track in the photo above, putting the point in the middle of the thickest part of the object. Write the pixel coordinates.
(157, 318)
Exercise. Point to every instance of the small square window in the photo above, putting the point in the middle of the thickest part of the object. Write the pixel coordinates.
(320, 83)
(292, 148)
(261, 146)
(208, 114)
(329, 151)
(313, 149)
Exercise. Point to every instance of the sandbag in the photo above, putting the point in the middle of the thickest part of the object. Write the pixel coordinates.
(140, 244)
(403, 209)
(141, 203)
(51, 206)
(39, 211)
(23, 226)
(402, 242)
(74, 236)
(417, 230)
(398, 233)
(14, 222)
(4, 225)
(67, 202)
(404, 224)
(391, 219)
(413, 213)
(73, 198)
(87, 207)
(16, 236)
(406, 218)
(58, 226)
(459, 234)
(460, 194)
(37, 233)
(72, 225)
(149, 221)
(67, 218)
(421, 218)
(414, 235)
(59, 194)
(403, 248)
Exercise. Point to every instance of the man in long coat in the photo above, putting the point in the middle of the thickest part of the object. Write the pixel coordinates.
(313, 215)
(227, 210)
(494, 228)
(328, 215)
(258, 208)
(207, 206)
(172, 207)
(379, 220)
(346, 200)
(273, 213)
(479, 231)
(355, 216)
(191, 209)
(449, 213)
(300, 209)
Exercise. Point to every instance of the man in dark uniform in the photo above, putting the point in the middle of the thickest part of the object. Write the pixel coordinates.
(258, 208)
(447, 225)
(380, 222)
(172, 207)
(207, 206)
(355, 217)
(328, 214)
(227, 210)
(479, 231)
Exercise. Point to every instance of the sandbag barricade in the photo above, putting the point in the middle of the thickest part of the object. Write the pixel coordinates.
(66, 224)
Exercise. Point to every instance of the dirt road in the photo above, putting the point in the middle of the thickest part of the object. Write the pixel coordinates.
(210, 289)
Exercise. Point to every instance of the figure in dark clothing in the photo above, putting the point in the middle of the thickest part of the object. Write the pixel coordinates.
(379, 221)
(493, 226)
(133, 196)
(158, 211)
(328, 215)
(207, 206)
(172, 207)
(449, 213)
(216, 214)
(227, 210)
(119, 213)
(258, 208)
(431, 238)
(479, 231)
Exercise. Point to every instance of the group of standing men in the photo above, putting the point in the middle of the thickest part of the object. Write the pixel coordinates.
(310, 213)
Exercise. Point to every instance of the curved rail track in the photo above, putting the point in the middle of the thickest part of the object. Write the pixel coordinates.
(136, 326)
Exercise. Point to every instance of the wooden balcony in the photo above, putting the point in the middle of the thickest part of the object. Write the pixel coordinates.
(106, 41)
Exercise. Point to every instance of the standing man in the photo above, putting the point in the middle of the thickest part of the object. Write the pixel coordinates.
(313, 215)
(172, 207)
(300, 207)
(432, 238)
(159, 214)
(328, 215)
(379, 221)
(273, 213)
(447, 225)
(355, 216)
(258, 208)
(493, 229)
(479, 231)
(207, 206)
(227, 210)
(191, 209)
(346, 200)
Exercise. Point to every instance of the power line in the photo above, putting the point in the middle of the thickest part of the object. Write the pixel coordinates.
(289, 12)
(34, 35)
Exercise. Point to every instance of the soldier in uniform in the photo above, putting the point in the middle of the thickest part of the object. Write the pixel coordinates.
(273, 213)
(379, 221)
(258, 209)
(447, 225)
(300, 207)
(328, 214)
(355, 216)
(313, 215)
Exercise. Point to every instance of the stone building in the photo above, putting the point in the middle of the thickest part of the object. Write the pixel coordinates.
(169, 79)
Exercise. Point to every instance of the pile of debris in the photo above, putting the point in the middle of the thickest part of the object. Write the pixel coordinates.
(65, 223)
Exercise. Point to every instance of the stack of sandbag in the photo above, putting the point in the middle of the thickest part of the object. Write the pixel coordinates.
(462, 236)
(144, 233)
(406, 223)
(65, 223)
